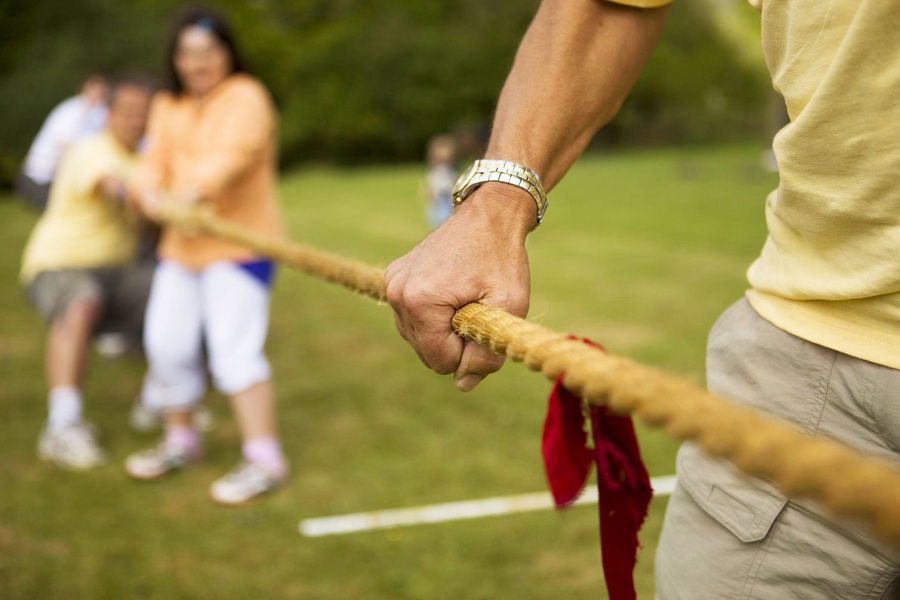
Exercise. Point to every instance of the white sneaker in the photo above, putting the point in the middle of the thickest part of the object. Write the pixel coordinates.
(159, 460)
(113, 345)
(145, 420)
(243, 483)
(202, 419)
(71, 447)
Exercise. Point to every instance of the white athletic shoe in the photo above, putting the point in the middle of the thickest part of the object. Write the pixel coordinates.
(203, 420)
(113, 345)
(159, 460)
(243, 483)
(144, 420)
(72, 447)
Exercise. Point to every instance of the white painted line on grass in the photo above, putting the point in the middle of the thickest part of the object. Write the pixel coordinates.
(453, 511)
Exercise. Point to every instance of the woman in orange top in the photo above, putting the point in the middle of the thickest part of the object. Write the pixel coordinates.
(211, 140)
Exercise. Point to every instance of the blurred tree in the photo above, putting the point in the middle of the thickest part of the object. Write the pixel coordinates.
(363, 80)
(705, 82)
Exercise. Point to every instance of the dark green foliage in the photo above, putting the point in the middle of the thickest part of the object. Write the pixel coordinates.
(359, 80)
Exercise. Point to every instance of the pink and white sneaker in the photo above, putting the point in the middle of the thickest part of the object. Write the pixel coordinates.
(160, 460)
(245, 482)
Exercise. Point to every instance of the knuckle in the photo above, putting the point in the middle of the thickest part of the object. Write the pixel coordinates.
(393, 291)
(408, 296)
(416, 298)
(519, 302)
(416, 302)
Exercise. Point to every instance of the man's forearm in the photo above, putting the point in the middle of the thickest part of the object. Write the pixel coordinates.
(574, 68)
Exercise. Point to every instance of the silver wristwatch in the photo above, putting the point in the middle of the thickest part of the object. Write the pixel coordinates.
(501, 171)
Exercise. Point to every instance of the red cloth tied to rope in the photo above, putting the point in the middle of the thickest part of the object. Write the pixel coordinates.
(622, 479)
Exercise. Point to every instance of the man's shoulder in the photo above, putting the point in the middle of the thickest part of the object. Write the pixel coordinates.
(63, 118)
(73, 105)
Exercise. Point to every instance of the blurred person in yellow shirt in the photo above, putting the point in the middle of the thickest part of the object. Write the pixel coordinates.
(79, 269)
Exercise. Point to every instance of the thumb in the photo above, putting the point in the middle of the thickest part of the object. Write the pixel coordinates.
(477, 363)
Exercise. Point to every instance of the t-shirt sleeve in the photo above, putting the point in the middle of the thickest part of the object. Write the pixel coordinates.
(84, 165)
(642, 3)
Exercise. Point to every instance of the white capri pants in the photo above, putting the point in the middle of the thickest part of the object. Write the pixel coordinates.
(223, 305)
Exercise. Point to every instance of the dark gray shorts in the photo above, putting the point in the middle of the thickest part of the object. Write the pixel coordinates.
(730, 536)
(122, 292)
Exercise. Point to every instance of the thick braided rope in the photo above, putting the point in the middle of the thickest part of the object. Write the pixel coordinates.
(843, 481)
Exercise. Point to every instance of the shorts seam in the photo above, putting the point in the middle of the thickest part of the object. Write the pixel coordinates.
(758, 558)
(815, 418)
(882, 585)
(871, 416)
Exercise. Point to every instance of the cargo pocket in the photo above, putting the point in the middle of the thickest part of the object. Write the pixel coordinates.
(744, 506)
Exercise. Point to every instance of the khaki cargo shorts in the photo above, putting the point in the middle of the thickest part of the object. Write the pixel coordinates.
(122, 292)
(730, 537)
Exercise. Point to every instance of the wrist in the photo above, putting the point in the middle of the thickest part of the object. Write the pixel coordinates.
(503, 207)
(504, 172)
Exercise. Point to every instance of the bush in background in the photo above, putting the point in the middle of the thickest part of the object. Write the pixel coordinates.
(364, 81)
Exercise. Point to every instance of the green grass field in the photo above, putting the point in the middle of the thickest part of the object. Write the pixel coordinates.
(640, 251)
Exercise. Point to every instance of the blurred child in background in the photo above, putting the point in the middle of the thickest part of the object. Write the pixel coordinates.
(437, 187)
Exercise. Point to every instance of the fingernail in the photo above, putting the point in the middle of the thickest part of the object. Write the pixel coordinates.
(468, 383)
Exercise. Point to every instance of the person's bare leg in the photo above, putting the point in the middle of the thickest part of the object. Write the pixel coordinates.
(264, 468)
(66, 440)
(255, 410)
(178, 418)
(180, 432)
(68, 343)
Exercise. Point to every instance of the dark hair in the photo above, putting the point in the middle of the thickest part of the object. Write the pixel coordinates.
(212, 21)
(136, 79)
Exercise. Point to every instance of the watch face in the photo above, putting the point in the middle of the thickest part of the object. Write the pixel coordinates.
(464, 180)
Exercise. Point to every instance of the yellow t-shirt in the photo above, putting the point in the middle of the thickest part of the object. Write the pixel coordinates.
(830, 269)
(81, 229)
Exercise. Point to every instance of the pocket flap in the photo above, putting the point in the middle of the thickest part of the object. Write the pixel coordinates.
(746, 507)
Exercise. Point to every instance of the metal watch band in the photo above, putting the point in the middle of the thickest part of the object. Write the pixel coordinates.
(502, 171)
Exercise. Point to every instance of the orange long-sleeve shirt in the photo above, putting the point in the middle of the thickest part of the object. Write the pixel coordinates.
(224, 148)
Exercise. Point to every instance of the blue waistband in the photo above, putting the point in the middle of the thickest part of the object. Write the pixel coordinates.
(262, 270)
